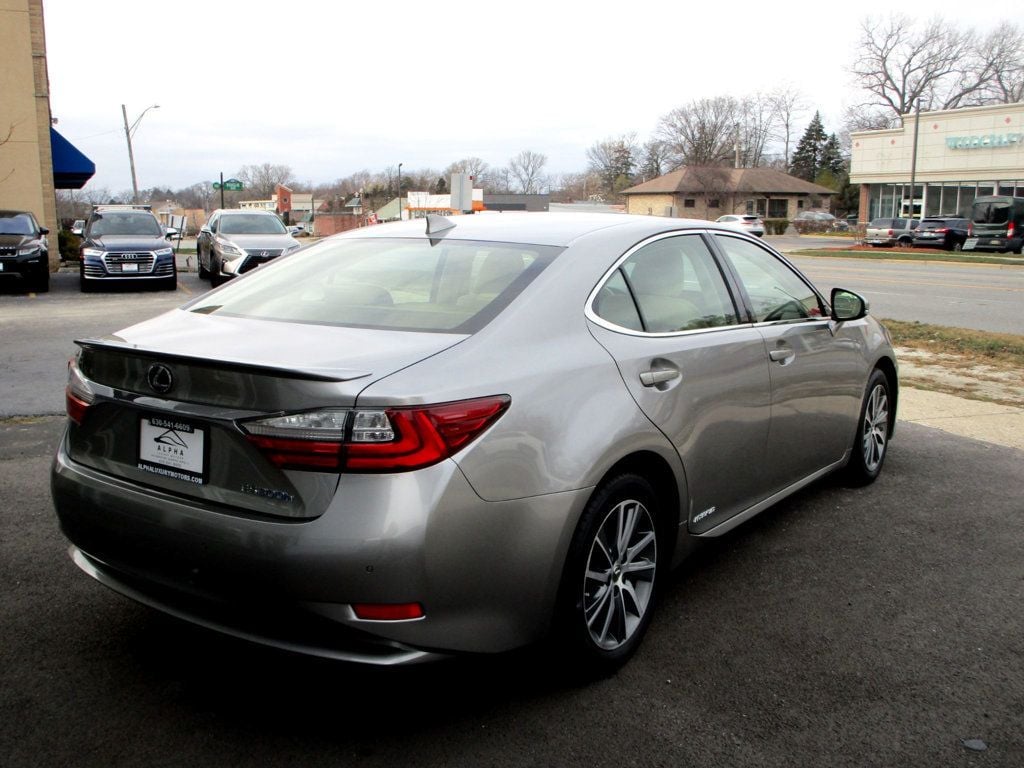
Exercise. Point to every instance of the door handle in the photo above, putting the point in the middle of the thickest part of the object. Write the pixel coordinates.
(781, 355)
(655, 377)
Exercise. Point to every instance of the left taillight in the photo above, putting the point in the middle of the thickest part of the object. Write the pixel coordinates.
(78, 395)
(397, 439)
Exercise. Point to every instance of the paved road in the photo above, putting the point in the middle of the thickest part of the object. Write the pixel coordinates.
(984, 297)
(876, 627)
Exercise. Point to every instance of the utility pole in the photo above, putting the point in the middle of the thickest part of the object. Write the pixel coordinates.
(913, 157)
(128, 131)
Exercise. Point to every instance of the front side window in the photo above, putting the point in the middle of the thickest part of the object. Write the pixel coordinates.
(394, 284)
(667, 286)
(775, 291)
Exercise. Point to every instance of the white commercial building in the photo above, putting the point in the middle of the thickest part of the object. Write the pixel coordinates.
(961, 154)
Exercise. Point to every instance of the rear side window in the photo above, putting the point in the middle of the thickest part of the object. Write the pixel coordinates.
(670, 285)
(394, 284)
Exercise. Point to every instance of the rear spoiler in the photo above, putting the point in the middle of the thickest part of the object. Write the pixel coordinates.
(114, 344)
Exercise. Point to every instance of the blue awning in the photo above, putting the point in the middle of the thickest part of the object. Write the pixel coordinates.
(71, 169)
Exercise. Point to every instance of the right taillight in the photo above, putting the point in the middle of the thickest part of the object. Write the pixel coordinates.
(970, 229)
(78, 395)
(373, 439)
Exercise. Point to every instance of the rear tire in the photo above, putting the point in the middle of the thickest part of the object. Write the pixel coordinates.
(871, 443)
(608, 585)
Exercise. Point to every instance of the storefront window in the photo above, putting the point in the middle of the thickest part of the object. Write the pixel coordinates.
(777, 209)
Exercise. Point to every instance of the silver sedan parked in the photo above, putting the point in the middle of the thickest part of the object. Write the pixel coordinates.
(465, 434)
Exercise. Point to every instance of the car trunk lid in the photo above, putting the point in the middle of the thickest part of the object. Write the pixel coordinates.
(174, 419)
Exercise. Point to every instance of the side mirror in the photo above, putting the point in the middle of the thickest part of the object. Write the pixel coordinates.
(847, 305)
(204, 230)
(44, 231)
(170, 232)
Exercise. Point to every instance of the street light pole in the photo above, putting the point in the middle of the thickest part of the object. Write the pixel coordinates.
(399, 191)
(128, 132)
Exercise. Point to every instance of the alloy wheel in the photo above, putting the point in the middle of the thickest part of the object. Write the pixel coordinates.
(619, 578)
(876, 427)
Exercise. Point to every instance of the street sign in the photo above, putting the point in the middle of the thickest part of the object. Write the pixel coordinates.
(231, 185)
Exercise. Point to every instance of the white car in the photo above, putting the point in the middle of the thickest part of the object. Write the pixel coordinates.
(749, 224)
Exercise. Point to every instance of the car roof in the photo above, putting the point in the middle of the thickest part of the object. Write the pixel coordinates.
(540, 228)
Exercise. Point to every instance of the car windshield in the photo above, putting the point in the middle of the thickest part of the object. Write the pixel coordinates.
(16, 224)
(400, 284)
(140, 224)
(251, 224)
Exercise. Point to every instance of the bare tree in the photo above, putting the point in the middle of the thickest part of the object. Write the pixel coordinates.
(527, 168)
(1005, 44)
(613, 161)
(261, 180)
(757, 119)
(701, 133)
(940, 65)
(654, 159)
(789, 105)
(474, 166)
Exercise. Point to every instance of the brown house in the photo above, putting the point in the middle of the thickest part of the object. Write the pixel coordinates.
(696, 192)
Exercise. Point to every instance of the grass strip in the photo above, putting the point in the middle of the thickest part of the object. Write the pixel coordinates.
(909, 255)
(1004, 348)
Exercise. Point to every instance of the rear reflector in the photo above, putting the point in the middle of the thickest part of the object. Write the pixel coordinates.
(388, 611)
(374, 440)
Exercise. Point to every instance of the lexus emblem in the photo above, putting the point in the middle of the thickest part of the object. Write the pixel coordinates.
(160, 378)
(264, 254)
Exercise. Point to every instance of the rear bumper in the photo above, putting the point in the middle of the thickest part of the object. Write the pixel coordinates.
(997, 244)
(486, 573)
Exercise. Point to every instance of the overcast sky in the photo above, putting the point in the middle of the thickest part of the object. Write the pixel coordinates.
(330, 88)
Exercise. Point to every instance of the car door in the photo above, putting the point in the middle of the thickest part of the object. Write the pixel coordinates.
(816, 367)
(204, 244)
(667, 316)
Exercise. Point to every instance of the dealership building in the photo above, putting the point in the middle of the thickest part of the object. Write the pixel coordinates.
(961, 154)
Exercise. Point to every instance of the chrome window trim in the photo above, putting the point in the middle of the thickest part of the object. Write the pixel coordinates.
(593, 317)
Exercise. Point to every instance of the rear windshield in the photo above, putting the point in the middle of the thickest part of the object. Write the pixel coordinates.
(251, 224)
(395, 284)
(991, 212)
(141, 224)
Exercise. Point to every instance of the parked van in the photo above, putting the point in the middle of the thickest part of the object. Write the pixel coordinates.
(997, 224)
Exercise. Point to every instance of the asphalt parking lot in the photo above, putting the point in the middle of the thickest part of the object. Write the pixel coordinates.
(871, 627)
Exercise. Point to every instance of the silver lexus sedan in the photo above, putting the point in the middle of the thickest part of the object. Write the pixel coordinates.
(463, 435)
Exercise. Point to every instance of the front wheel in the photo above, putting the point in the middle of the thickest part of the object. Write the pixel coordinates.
(872, 440)
(608, 585)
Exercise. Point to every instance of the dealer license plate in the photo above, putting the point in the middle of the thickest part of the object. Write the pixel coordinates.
(172, 448)
(969, 243)
(129, 267)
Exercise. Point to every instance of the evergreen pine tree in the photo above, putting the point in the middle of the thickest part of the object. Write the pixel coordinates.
(807, 157)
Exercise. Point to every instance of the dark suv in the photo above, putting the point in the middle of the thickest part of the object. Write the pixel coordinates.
(942, 232)
(122, 243)
(24, 253)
